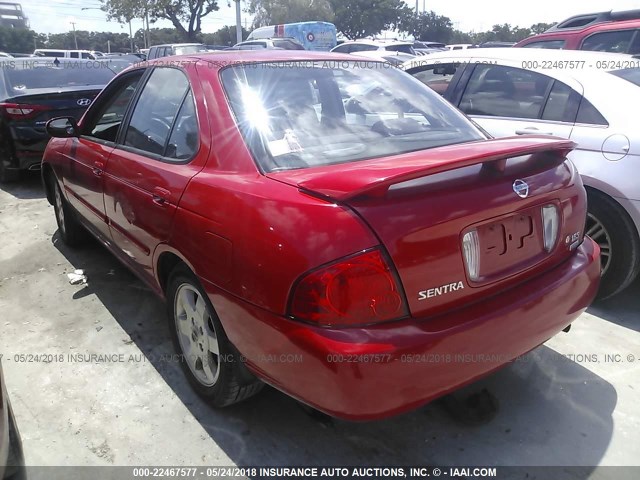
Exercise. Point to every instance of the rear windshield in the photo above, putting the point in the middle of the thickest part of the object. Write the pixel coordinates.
(287, 45)
(28, 75)
(306, 114)
(190, 49)
(400, 48)
(630, 74)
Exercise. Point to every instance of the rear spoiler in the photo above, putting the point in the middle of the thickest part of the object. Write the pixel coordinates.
(374, 177)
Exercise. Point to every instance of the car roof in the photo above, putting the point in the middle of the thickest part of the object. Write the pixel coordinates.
(563, 33)
(584, 20)
(222, 58)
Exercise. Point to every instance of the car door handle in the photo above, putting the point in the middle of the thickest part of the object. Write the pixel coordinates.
(98, 168)
(160, 196)
(531, 131)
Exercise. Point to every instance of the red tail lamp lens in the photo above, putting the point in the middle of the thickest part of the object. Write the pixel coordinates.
(355, 291)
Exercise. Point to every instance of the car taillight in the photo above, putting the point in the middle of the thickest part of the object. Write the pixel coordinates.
(471, 252)
(357, 290)
(20, 111)
(550, 223)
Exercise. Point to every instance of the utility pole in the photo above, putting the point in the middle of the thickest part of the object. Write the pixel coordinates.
(147, 38)
(239, 22)
(417, 7)
(75, 40)
(130, 37)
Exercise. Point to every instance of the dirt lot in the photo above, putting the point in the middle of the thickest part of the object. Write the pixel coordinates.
(566, 403)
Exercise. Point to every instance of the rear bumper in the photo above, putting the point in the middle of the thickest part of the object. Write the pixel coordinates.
(28, 144)
(375, 372)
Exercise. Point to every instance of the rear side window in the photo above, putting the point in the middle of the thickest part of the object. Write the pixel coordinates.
(156, 110)
(495, 90)
(588, 114)
(548, 44)
(616, 42)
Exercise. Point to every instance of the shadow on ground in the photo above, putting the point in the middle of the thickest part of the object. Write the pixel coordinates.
(28, 187)
(622, 309)
(550, 410)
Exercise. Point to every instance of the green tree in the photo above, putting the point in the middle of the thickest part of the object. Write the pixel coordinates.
(428, 26)
(540, 27)
(362, 18)
(185, 15)
(274, 12)
(17, 40)
(225, 36)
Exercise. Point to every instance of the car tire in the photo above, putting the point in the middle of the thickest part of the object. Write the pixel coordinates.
(71, 230)
(220, 378)
(609, 225)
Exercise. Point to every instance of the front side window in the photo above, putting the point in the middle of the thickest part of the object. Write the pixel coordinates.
(297, 117)
(437, 76)
(616, 42)
(156, 110)
(499, 91)
(105, 122)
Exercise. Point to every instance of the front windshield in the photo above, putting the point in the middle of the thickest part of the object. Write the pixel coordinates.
(306, 114)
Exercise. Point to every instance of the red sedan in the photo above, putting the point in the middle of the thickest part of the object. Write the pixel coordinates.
(324, 224)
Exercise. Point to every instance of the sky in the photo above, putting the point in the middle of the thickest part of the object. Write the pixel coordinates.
(55, 16)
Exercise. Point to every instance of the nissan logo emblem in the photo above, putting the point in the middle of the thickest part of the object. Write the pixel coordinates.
(521, 188)
(84, 102)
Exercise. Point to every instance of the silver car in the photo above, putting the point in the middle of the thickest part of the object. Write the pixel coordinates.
(590, 97)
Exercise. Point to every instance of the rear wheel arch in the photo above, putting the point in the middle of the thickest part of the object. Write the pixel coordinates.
(167, 262)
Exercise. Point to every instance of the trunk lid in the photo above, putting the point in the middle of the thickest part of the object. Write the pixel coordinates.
(421, 205)
(50, 103)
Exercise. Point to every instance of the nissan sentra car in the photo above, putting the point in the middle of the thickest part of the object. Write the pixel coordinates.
(326, 225)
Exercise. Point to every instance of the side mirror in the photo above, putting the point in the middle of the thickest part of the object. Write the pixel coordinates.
(62, 127)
